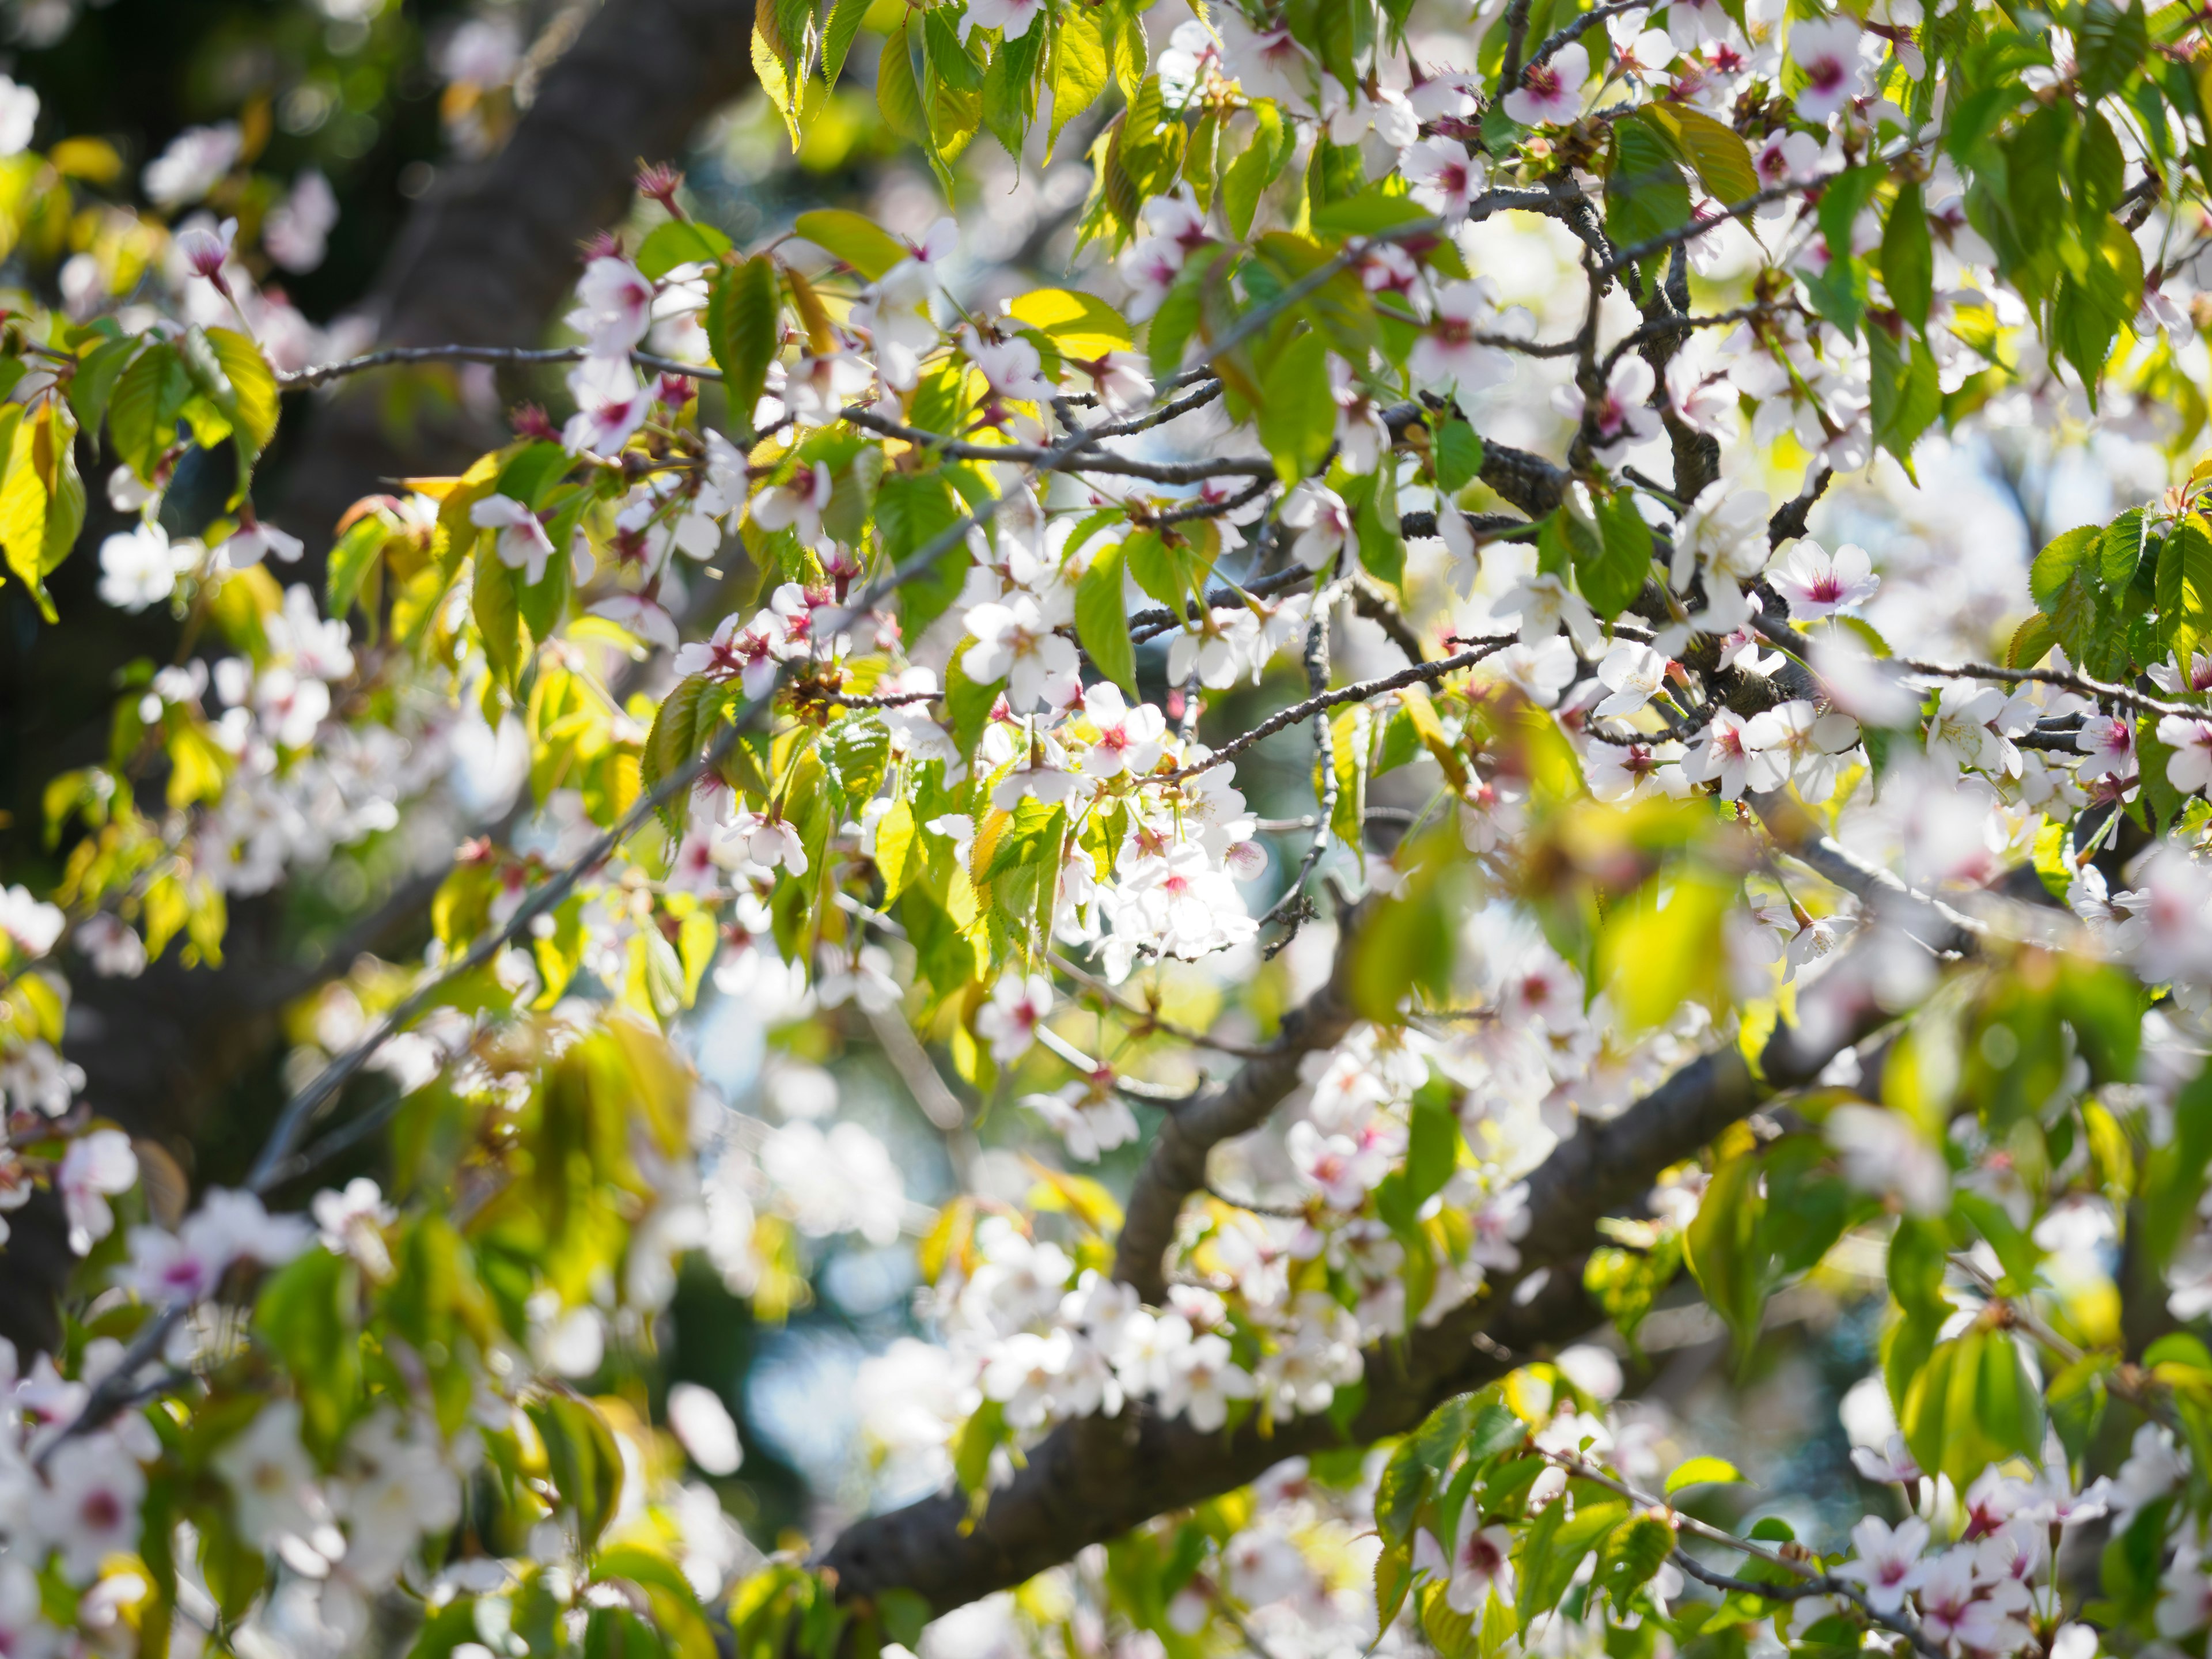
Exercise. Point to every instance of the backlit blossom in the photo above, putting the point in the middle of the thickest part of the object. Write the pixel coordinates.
(1550, 93)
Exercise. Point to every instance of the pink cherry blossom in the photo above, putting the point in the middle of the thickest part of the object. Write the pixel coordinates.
(1550, 93)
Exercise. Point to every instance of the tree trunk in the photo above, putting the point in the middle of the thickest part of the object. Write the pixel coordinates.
(493, 251)
(182, 1055)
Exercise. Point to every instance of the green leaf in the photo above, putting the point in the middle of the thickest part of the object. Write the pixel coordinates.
(352, 556)
(1374, 520)
(844, 29)
(1297, 410)
(1908, 259)
(1156, 571)
(583, 1457)
(309, 1315)
(1719, 153)
(1365, 213)
(1722, 1246)
(898, 97)
(2096, 300)
(42, 501)
(2184, 588)
(774, 66)
(1177, 318)
(254, 407)
(914, 509)
(1619, 562)
(1034, 827)
(859, 242)
(2120, 548)
(1080, 325)
(858, 754)
(1553, 1550)
(2108, 45)
(1973, 1404)
(1908, 394)
(1102, 618)
(1702, 1471)
(1010, 90)
(2031, 643)
(1625, 1282)
(1431, 1152)
(1080, 67)
(141, 414)
(1632, 1556)
(498, 613)
(2055, 565)
(1645, 193)
(1458, 455)
(94, 381)
(679, 242)
(896, 844)
(1256, 166)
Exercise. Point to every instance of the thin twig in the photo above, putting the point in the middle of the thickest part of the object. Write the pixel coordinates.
(1358, 691)
(1819, 1582)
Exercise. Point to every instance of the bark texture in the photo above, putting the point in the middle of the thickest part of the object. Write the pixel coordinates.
(489, 258)
(1094, 1479)
(492, 253)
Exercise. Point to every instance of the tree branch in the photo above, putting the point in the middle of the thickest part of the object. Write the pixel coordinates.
(1093, 1478)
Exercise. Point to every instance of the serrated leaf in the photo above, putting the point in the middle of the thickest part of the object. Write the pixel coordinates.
(1716, 150)
(773, 70)
(844, 28)
(897, 848)
(42, 502)
(2108, 45)
(1632, 1554)
(2054, 566)
(1908, 260)
(1646, 194)
(1080, 68)
(898, 99)
(1256, 166)
(2184, 588)
(1021, 837)
(1296, 413)
(142, 413)
(1080, 325)
(1612, 567)
(2120, 548)
(1010, 88)
(1102, 618)
(859, 242)
(352, 556)
(679, 242)
(1908, 394)
(583, 1457)
(1365, 213)
(1458, 454)
(253, 406)
(1702, 1471)
(744, 331)
(858, 754)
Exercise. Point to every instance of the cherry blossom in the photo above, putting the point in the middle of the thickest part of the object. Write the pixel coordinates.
(1827, 50)
(1015, 642)
(1620, 417)
(1818, 584)
(1444, 177)
(1009, 1020)
(1550, 93)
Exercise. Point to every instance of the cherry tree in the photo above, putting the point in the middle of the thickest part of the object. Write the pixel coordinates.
(1541, 448)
